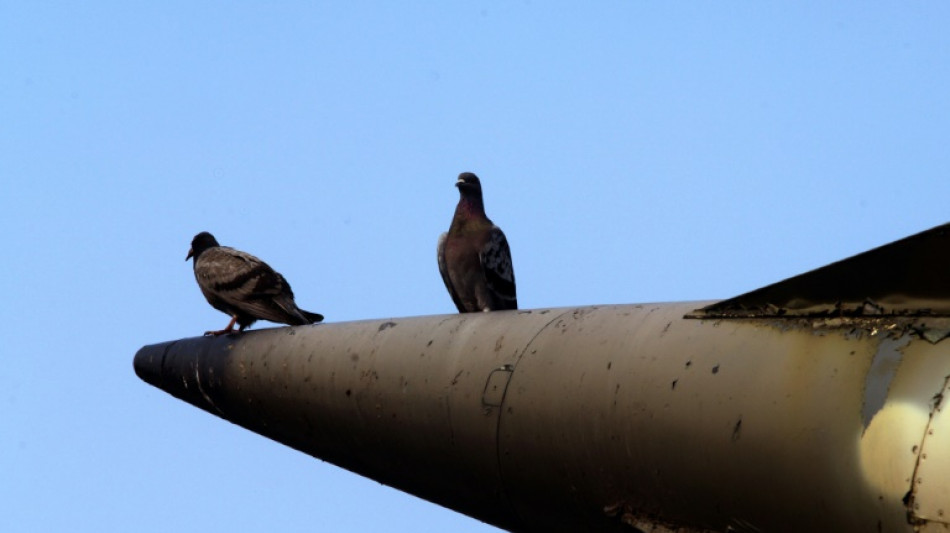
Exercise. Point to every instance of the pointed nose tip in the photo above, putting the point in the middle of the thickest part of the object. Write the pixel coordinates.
(148, 364)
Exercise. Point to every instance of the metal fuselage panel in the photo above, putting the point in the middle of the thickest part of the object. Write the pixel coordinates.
(633, 414)
(604, 418)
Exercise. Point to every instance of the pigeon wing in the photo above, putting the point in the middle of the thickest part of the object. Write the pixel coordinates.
(444, 270)
(495, 257)
(275, 302)
(245, 284)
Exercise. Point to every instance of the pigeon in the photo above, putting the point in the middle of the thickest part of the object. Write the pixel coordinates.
(244, 287)
(474, 258)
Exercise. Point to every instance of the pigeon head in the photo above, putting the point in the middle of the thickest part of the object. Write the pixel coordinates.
(200, 243)
(468, 182)
(469, 186)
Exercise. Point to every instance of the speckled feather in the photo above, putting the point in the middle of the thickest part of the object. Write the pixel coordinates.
(244, 287)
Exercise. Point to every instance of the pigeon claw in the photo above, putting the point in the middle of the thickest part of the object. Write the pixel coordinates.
(228, 329)
(219, 332)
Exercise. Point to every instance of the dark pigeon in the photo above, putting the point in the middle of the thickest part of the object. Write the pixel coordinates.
(244, 287)
(474, 258)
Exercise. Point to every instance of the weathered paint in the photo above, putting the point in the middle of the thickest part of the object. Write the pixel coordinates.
(603, 418)
(930, 499)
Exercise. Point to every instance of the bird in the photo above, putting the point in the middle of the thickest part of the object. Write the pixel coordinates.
(474, 257)
(243, 287)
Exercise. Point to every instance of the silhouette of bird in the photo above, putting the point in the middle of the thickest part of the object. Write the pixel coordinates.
(244, 287)
(474, 258)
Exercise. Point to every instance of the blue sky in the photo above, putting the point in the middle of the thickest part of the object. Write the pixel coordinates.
(632, 152)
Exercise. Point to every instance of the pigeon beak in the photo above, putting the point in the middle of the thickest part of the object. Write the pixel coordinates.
(459, 182)
(191, 252)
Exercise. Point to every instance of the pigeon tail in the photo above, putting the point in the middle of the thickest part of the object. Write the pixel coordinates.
(312, 317)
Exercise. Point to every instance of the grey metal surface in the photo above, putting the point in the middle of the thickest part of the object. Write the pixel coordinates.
(611, 418)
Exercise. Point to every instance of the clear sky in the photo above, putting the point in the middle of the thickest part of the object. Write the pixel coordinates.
(632, 151)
